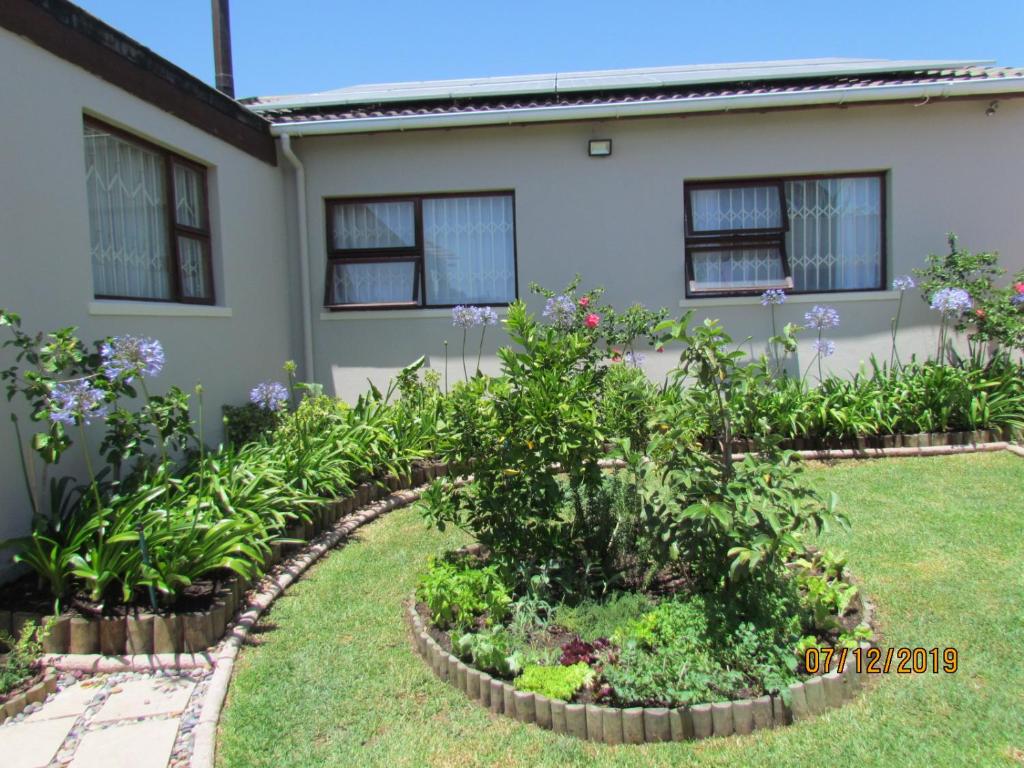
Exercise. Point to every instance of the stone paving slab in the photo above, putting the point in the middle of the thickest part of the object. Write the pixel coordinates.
(146, 698)
(139, 744)
(71, 702)
(33, 745)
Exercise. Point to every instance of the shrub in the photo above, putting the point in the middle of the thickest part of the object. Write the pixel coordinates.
(492, 649)
(593, 619)
(457, 594)
(560, 682)
(247, 423)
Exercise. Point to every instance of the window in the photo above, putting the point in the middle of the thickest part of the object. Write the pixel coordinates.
(808, 234)
(421, 251)
(149, 225)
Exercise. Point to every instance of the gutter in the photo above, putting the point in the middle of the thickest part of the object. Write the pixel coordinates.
(300, 215)
(923, 92)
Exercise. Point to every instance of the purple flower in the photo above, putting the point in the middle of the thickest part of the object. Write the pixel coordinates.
(464, 316)
(824, 347)
(488, 316)
(951, 302)
(903, 283)
(73, 400)
(125, 357)
(560, 310)
(633, 358)
(269, 395)
(1017, 299)
(773, 296)
(819, 317)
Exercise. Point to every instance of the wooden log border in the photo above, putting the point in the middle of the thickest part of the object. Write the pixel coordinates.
(643, 725)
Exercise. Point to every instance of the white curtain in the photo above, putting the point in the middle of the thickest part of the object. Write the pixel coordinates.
(728, 208)
(127, 217)
(469, 249)
(366, 226)
(374, 283)
(835, 237)
(737, 268)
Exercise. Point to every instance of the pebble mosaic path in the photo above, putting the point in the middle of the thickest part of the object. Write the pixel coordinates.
(127, 719)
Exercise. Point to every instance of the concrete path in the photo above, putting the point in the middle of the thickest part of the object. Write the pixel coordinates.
(128, 719)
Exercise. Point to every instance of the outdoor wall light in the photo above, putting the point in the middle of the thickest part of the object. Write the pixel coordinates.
(600, 148)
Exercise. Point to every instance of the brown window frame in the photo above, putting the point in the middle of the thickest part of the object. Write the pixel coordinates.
(174, 229)
(403, 254)
(774, 237)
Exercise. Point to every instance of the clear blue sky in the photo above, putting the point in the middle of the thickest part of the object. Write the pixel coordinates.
(307, 45)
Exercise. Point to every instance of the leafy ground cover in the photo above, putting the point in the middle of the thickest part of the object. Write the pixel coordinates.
(332, 681)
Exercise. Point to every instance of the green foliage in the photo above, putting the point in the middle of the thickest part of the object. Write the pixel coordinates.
(458, 594)
(861, 633)
(22, 656)
(559, 682)
(627, 403)
(247, 423)
(592, 619)
(492, 649)
(994, 318)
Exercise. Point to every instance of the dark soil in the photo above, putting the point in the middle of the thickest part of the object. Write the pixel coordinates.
(25, 594)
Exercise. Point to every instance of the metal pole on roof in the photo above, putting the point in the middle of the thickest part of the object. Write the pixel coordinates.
(224, 71)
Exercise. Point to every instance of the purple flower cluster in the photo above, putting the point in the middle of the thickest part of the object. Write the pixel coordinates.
(903, 283)
(269, 395)
(1017, 299)
(466, 316)
(560, 310)
(951, 302)
(125, 357)
(74, 400)
(773, 296)
(825, 347)
(820, 317)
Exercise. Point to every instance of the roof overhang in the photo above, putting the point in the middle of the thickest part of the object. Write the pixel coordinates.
(836, 96)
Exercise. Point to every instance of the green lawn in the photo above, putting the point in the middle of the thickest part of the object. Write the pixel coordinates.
(937, 542)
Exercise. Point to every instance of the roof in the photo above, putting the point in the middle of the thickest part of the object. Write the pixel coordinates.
(576, 94)
(65, 30)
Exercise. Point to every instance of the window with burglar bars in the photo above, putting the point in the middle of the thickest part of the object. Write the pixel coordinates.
(149, 225)
(421, 251)
(807, 234)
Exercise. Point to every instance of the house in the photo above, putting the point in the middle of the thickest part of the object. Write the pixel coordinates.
(339, 228)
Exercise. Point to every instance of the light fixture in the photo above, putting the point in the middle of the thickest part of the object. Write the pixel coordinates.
(600, 148)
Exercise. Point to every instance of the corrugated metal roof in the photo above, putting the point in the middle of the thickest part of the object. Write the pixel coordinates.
(283, 113)
(602, 80)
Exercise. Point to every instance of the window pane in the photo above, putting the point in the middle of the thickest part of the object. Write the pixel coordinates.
(731, 269)
(835, 233)
(193, 255)
(366, 226)
(732, 208)
(469, 249)
(375, 283)
(129, 242)
(189, 197)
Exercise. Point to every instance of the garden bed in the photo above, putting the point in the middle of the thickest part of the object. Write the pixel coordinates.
(200, 620)
(635, 725)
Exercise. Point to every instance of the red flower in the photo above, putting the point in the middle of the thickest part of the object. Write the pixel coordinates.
(980, 313)
(585, 302)
(592, 320)
(1018, 287)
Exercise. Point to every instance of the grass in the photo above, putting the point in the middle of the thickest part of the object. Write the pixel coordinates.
(937, 543)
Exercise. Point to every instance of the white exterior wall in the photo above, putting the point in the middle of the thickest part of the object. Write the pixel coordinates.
(45, 268)
(619, 221)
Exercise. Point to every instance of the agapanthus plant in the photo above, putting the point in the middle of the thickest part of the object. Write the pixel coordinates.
(125, 357)
(772, 298)
(951, 303)
(821, 317)
(561, 311)
(77, 402)
(466, 317)
(269, 395)
(903, 283)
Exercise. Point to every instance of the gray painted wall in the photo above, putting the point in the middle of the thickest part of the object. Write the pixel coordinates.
(45, 270)
(619, 221)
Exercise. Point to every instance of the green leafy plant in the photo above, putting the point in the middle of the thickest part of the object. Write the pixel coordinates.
(458, 594)
(558, 682)
(492, 649)
(21, 660)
